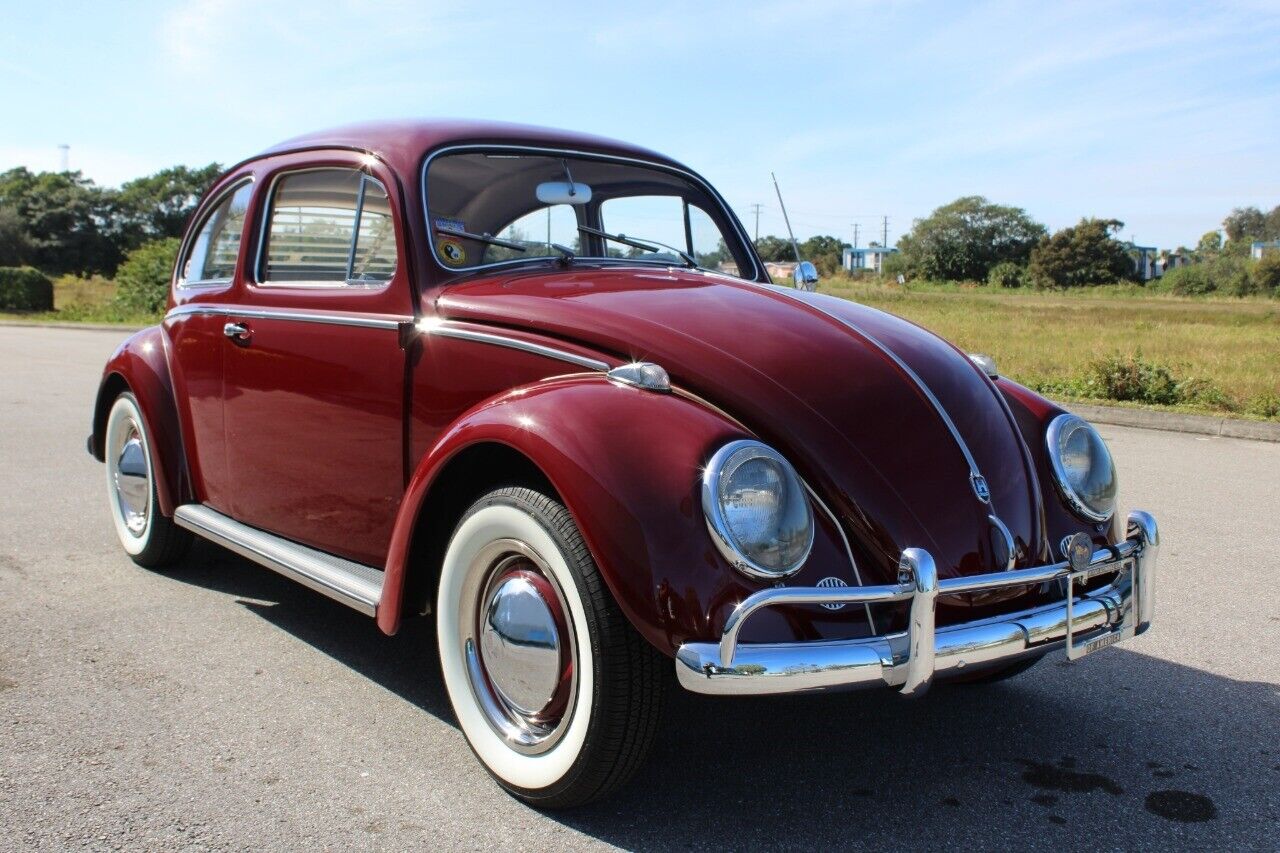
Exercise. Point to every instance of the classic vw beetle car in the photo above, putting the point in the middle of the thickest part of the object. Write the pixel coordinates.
(493, 374)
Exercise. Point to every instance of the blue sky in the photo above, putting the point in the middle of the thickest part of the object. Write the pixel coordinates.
(1165, 115)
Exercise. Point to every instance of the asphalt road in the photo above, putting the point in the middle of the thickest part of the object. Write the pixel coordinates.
(220, 706)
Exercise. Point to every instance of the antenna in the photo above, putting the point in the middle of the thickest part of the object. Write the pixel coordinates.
(794, 245)
(64, 157)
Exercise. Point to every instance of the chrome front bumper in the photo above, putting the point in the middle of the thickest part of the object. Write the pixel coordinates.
(909, 660)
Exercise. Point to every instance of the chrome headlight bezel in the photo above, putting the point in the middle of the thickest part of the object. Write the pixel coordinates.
(713, 507)
(1058, 427)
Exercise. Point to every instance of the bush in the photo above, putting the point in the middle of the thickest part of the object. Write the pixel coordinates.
(1116, 377)
(142, 282)
(1192, 280)
(1266, 274)
(1265, 405)
(25, 289)
(1007, 274)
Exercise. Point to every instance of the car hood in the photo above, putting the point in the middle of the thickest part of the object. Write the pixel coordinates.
(849, 394)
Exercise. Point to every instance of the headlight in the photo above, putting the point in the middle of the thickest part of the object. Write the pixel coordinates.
(1082, 467)
(757, 510)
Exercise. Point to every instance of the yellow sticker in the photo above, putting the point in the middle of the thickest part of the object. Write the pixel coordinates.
(451, 252)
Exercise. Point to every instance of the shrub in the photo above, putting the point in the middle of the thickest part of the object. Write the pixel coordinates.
(1192, 280)
(25, 289)
(1116, 377)
(1266, 274)
(142, 282)
(1265, 405)
(1007, 274)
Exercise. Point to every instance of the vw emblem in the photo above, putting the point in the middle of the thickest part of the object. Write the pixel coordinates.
(980, 488)
(828, 583)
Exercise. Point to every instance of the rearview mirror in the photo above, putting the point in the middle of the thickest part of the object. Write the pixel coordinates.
(805, 276)
(563, 192)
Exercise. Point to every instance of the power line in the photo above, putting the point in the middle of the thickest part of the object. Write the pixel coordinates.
(756, 208)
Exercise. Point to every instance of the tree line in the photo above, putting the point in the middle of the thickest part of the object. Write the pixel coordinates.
(974, 240)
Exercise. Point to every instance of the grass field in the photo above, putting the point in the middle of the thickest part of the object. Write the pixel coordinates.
(1047, 339)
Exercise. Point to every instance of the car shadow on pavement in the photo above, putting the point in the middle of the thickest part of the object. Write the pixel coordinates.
(1176, 752)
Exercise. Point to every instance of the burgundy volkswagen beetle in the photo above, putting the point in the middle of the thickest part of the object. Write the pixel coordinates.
(494, 374)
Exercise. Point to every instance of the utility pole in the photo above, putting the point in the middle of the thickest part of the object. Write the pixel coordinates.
(795, 247)
(756, 208)
(855, 235)
(64, 157)
(884, 241)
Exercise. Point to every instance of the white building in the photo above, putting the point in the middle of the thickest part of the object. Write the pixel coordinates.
(1259, 248)
(869, 258)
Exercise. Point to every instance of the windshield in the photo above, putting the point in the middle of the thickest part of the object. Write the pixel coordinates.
(507, 207)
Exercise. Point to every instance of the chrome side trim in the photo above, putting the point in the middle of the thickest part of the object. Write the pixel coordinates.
(367, 321)
(975, 476)
(445, 329)
(354, 584)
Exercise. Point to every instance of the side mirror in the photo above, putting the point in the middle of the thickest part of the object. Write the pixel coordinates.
(805, 276)
(563, 192)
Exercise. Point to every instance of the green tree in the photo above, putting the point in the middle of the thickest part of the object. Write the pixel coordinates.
(824, 251)
(1245, 224)
(158, 205)
(1209, 246)
(65, 217)
(772, 248)
(15, 246)
(963, 240)
(1266, 274)
(1081, 255)
(142, 282)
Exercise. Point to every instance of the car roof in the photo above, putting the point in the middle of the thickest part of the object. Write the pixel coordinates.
(409, 139)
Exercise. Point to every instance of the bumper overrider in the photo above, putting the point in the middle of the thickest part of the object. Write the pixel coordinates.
(909, 660)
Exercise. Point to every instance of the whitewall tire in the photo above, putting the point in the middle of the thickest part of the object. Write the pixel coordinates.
(556, 693)
(150, 538)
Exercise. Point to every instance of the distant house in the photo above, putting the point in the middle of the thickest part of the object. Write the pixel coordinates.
(1144, 261)
(868, 258)
(728, 267)
(1261, 248)
(1170, 261)
(780, 269)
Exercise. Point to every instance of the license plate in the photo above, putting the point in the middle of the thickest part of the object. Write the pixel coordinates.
(1124, 629)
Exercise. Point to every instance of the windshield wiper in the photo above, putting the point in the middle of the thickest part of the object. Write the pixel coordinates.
(483, 238)
(648, 246)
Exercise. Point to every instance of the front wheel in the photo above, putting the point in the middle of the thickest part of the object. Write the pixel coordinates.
(556, 693)
(151, 539)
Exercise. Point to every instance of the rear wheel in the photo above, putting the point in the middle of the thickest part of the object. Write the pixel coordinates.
(151, 539)
(556, 693)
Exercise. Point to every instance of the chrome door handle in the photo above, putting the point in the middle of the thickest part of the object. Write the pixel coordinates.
(238, 332)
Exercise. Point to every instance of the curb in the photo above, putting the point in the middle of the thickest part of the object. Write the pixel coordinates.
(91, 327)
(1176, 422)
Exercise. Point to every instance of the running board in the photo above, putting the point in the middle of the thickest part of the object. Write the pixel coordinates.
(354, 584)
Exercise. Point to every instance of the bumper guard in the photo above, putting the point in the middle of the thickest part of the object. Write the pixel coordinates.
(908, 660)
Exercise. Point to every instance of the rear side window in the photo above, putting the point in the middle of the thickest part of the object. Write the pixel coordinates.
(328, 227)
(211, 257)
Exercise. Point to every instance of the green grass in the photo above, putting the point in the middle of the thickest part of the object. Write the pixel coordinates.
(1049, 340)
(83, 300)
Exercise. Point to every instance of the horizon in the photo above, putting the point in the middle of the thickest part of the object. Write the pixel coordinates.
(1162, 116)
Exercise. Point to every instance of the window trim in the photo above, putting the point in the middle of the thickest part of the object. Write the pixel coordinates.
(260, 258)
(188, 242)
(711, 191)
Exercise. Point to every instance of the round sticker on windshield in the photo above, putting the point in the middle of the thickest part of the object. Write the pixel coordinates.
(451, 252)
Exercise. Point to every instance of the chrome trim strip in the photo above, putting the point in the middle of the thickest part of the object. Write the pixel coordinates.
(331, 319)
(445, 329)
(910, 659)
(536, 149)
(848, 549)
(974, 474)
(354, 584)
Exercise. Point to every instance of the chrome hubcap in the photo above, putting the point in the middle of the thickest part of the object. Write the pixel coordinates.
(133, 482)
(521, 658)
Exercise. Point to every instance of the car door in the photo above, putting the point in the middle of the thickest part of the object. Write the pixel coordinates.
(194, 328)
(314, 398)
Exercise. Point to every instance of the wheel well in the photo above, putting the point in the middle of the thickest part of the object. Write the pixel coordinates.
(113, 386)
(473, 472)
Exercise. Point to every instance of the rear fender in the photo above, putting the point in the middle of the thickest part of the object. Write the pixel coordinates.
(627, 464)
(140, 365)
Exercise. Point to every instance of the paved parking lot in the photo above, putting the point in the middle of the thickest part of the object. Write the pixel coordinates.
(220, 706)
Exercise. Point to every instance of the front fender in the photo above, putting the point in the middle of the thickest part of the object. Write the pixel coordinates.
(627, 464)
(140, 365)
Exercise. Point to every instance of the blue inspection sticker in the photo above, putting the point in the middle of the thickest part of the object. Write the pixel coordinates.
(450, 225)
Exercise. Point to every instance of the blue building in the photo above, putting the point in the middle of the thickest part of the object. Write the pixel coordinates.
(868, 258)
(1260, 248)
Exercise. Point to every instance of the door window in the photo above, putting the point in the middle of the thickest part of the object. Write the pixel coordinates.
(329, 227)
